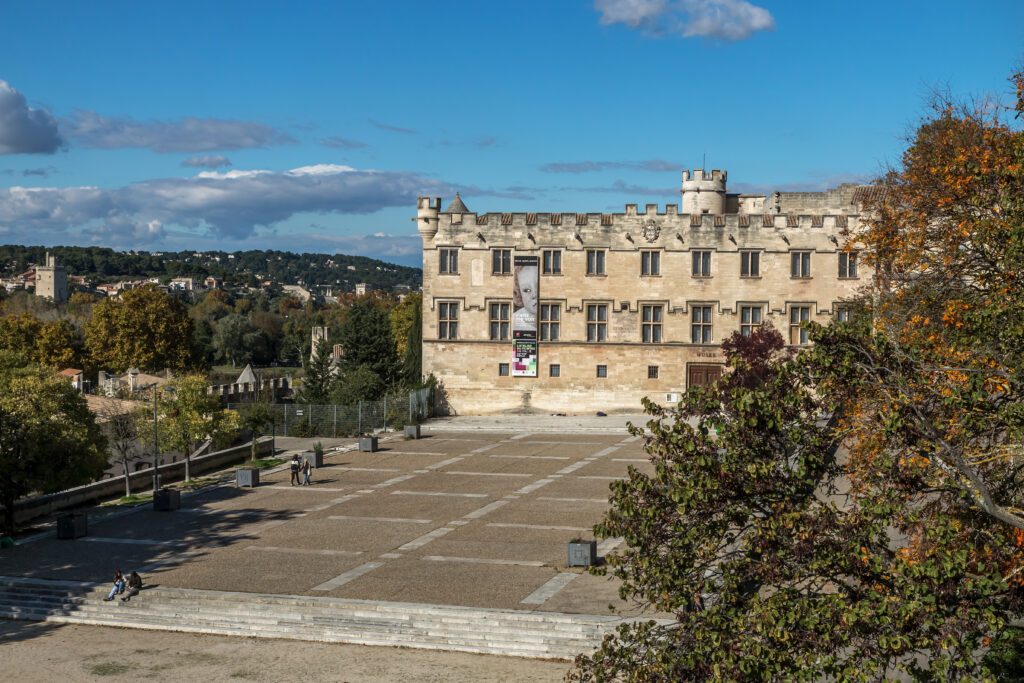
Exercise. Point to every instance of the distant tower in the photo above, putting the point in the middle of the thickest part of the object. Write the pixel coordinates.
(52, 280)
(319, 333)
(704, 191)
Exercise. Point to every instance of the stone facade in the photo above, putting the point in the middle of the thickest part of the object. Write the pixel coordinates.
(52, 281)
(693, 276)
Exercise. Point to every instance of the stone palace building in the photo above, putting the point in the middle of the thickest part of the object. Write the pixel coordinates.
(624, 305)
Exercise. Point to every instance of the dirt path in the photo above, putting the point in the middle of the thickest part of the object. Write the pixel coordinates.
(43, 652)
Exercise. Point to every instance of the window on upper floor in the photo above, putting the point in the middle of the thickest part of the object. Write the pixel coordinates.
(650, 263)
(552, 262)
(750, 264)
(448, 320)
(501, 261)
(842, 314)
(750, 319)
(554, 370)
(595, 262)
(848, 264)
(651, 320)
(700, 325)
(499, 321)
(800, 264)
(652, 372)
(597, 322)
(701, 264)
(449, 262)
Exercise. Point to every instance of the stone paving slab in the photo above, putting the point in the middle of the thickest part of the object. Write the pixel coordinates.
(439, 520)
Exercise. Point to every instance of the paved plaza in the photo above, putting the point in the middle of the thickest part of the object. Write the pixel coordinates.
(469, 518)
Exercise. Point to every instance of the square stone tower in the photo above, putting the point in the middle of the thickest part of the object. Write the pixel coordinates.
(52, 280)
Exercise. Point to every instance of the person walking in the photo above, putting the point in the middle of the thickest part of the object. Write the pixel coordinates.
(294, 466)
(306, 469)
(118, 586)
(134, 586)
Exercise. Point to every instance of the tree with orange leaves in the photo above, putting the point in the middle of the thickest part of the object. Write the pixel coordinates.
(854, 512)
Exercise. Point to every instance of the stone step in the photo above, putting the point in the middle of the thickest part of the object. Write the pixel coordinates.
(356, 634)
(298, 617)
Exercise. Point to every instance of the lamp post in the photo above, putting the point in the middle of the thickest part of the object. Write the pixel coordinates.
(156, 448)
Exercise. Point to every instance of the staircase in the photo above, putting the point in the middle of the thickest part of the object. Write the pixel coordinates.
(486, 631)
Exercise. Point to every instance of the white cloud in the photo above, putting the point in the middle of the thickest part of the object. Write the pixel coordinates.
(724, 19)
(206, 162)
(189, 134)
(24, 130)
(229, 205)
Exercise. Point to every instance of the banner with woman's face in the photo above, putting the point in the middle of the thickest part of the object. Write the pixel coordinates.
(525, 295)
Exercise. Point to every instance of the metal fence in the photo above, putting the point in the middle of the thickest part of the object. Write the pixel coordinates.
(364, 417)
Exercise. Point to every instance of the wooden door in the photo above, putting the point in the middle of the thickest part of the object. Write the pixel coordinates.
(698, 375)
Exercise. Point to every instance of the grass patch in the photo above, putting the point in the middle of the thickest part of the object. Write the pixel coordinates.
(109, 669)
(263, 463)
(133, 499)
(196, 483)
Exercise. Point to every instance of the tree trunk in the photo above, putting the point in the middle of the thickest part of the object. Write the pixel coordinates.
(255, 435)
(127, 478)
(9, 516)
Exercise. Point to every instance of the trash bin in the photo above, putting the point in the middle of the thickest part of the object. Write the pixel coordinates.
(412, 431)
(166, 500)
(582, 553)
(247, 476)
(368, 444)
(72, 525)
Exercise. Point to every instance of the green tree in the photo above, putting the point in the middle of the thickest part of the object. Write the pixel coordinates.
(366, 339)
(402, 319)
(358, 384)
(232, 339)
(59, 345)
(48, 438)
(189, 416)
(412, 363)
(255, 417)
(144, 328)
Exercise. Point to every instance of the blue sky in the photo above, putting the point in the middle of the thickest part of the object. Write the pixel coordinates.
(312, 127)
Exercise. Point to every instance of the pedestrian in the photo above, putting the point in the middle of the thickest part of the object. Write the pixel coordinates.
(134, 586)
(306, 469)
(294, 466)
(118, 586)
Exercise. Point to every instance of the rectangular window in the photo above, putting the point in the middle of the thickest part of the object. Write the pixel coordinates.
(800, 264)
(652, 372)
(552, 262)
(842, 314)
(798, 315)
(750, 318)
(701, 264)
(550, 321)
(848, 264)
(700, 325)
(501, 261)
(554, 370)
(502, 369)
(750, 264)
(448, 320)
(597, 322)
(650, 263)
(602, 370)
(595, 262)
(650, 326)
(449, 262)
(499, 321)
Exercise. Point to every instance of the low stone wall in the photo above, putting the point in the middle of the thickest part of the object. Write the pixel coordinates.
(113, 487)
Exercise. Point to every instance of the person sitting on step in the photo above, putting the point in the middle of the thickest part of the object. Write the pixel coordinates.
(118, 586)
(134, 586)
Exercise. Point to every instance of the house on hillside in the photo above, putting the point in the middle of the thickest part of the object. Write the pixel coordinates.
(74, 376)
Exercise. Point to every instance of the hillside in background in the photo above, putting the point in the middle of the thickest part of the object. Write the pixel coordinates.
(101, 264)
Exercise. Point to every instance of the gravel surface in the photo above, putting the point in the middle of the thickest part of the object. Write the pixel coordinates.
(43, 652)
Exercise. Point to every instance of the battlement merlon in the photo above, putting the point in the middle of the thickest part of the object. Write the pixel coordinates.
(715, 175)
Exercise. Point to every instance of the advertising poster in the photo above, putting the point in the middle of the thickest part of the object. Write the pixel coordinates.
(524, 316)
